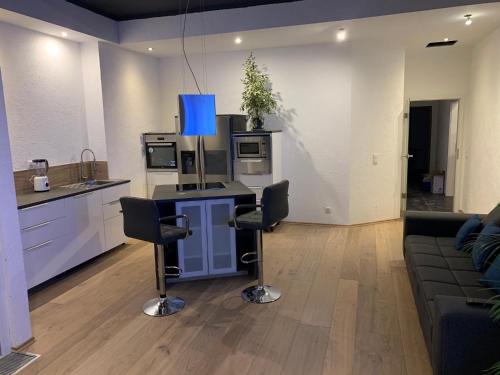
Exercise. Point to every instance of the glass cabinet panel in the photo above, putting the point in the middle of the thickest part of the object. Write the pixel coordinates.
(221, 238)
(193, 250)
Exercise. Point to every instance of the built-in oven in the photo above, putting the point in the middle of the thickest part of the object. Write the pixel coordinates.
(161, 151)
(252, 154)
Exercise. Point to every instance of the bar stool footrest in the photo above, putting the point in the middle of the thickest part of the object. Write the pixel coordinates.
(261, 294)
(163, 306)
(244, 261)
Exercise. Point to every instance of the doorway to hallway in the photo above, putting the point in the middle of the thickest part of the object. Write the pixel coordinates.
(431, 168)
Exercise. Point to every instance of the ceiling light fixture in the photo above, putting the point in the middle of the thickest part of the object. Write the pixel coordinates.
(64, 34)
(468, 19)
(341, 34)
(238, 40)
(150, 49)
(445, 39)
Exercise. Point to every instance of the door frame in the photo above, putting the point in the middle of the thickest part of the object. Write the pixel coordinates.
(459, 147)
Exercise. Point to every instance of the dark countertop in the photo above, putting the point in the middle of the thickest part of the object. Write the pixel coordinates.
(254, 132)
(59, 192)
(165, 193)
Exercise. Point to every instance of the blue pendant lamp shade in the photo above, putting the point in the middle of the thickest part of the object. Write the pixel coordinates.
(197, 114)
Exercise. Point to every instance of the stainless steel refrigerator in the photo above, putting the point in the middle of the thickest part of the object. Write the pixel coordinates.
(215, 163)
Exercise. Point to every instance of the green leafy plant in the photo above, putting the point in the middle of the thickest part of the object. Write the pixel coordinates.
(491, 244)
(257, 98)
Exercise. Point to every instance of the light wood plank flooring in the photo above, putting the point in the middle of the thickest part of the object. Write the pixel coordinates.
(346, 308)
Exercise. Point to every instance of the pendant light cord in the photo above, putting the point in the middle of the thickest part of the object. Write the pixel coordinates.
(184, 47)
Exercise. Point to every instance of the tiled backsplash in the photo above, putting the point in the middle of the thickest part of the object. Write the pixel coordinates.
(59, 175)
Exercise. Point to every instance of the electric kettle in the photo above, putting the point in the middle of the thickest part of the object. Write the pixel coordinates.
(40, 180)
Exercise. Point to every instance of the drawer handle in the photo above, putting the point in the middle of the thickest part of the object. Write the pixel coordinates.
(33, 207)
(46, 243)
(82, 195)
(39, 225)
(113, 202)
(255, 187)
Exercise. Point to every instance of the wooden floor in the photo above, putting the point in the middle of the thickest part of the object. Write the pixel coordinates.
(346, 308)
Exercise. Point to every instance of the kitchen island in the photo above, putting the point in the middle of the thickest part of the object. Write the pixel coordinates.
(214, 249)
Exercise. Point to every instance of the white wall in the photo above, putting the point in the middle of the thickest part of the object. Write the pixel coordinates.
(44, 96)
(131, 101)
(376, 118)
(437, 73)
(92, 90)
(13, 295)
(322, 104)
(482, 173)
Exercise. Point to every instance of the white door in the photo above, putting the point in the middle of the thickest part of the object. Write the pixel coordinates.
(192, 251)
(404, 158)
(220, 237)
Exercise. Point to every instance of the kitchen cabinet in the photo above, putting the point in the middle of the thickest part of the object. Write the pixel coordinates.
(211, 249)
(64, 233)
(221, 239)
(88, 227)
(154, 178)
(113, 217)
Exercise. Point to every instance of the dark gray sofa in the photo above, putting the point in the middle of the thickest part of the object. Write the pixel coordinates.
(459, 334)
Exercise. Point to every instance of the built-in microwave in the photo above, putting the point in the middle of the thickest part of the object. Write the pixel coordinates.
(254, 146)
(161, 151)
(252, 154)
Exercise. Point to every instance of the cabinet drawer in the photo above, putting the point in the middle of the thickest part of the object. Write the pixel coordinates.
(111, 210)
(46, 260)
(43, 232)
(113, 229)
(41, 213)
(114, 193)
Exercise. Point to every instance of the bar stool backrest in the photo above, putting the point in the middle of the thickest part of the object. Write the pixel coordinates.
(275, 203)
(141, 219)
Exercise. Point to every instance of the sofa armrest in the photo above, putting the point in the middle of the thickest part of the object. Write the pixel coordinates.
(435, 224)
(465, 340)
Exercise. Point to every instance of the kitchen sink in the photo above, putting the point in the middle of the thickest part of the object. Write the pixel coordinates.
(88, 184)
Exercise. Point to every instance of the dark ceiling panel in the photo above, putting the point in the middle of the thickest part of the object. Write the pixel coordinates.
(120, 10)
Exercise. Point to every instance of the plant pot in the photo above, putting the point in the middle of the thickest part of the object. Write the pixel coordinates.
(257, 124)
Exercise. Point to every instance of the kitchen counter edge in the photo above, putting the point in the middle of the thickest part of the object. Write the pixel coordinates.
(58, 192)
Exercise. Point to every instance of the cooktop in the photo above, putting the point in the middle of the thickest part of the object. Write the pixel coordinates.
(204, 186)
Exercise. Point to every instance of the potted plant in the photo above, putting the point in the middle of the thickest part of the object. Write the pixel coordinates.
(257, 98)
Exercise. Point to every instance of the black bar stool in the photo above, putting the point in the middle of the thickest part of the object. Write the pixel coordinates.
(273, 209)
(142, 221)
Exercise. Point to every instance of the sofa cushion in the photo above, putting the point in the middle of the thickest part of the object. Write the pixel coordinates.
(482, 246)
(472, 225)
(418, 260)
(493, 217)
(435, 274)
(460, 264)
(433, 288)
(478, 292)
(467, 278)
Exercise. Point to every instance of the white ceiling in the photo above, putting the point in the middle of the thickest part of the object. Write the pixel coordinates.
(411, 30)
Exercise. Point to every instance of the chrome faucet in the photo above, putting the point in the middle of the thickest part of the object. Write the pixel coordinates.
(83, 177)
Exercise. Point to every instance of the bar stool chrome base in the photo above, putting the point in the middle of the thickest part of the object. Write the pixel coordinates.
(163, 306)
(261, 294)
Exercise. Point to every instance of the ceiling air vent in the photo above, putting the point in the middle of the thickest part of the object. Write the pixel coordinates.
(441, 44)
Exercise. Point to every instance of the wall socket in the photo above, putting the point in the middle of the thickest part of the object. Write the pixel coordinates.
(328, 210)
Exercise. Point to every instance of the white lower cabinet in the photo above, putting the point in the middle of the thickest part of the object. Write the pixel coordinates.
(88, 229)
(60, 235)
(211, 249)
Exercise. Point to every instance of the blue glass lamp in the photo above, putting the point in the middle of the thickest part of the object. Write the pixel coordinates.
(197, 115)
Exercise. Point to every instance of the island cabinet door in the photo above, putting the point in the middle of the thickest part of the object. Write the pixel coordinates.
(221, 237)
(192, 251)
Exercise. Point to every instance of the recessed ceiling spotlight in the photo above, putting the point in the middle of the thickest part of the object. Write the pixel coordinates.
(64, 34)
(150, 49)
(446, 39)
(468, 19)
(341, 34)
(238, 40)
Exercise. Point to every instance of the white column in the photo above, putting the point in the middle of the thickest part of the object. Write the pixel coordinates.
(13, 290)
